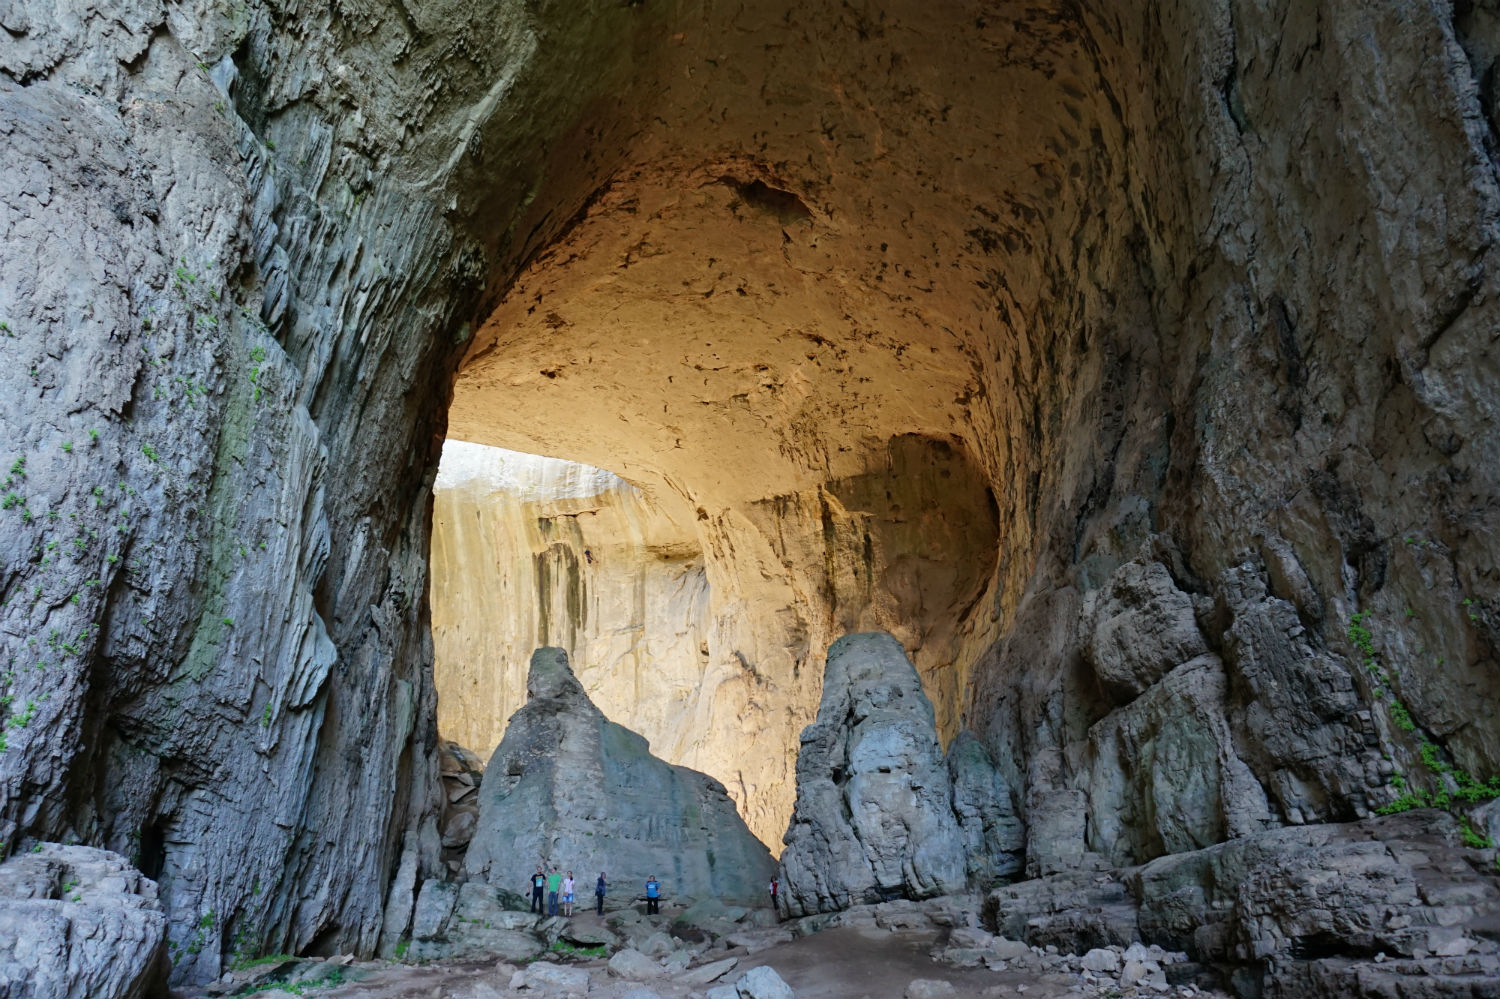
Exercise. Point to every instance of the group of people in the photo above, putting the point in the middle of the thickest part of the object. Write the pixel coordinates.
(559, 892)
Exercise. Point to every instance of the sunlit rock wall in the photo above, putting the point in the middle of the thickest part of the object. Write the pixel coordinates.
(530, 551)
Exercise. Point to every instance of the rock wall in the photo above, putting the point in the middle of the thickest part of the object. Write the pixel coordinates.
(530, 552)
(1203, 295)
(241, 249)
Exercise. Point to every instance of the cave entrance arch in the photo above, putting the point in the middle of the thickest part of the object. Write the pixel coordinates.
(785, 280)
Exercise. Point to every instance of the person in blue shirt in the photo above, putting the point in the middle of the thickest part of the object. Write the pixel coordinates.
(599, 889)
(653, 896)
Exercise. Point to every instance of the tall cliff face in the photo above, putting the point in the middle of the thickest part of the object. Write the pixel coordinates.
(1202, 296)
(240, 250)
(530, 552)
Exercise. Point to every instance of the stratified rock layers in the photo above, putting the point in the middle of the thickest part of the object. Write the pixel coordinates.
(571, 789)
(874, 815)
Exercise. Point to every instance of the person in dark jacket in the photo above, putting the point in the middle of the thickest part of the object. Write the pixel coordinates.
(537, 881)
(599, 889)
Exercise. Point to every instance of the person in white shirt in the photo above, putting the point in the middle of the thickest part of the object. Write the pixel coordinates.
(567, 887)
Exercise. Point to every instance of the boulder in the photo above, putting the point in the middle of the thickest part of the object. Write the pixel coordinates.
(634, 965)
(551, 979)
(874, 814)
(434, 907)
(930, 988)
(706, 973)
(1139, 626)
(74, 921)
(657, 945)
(763, 983)
(568, 786)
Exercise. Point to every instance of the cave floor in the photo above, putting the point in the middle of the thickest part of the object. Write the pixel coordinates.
(842, 963)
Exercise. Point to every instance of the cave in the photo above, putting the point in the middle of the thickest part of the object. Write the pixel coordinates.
(720, 676)
(1133, 368)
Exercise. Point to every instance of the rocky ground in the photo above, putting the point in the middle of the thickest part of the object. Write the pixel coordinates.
(902, 949)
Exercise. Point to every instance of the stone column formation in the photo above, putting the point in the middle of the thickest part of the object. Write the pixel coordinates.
(874, 815)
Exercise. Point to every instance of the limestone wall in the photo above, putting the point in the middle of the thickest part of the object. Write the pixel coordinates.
(529, 552)
(1203, 293)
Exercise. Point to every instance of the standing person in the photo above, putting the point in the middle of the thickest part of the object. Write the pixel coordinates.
(774, 886)
(568, 895)
(554, 882)
(653, 896)
(537, 880)
(599, 889)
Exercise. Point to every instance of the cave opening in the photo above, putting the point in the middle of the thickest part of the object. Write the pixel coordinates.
(813, 327)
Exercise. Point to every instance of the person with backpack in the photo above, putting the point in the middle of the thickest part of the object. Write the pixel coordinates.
(653, 896)
(599, 889)
(537, 881)
(774, 886)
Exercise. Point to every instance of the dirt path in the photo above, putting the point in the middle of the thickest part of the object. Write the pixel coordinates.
(845, 963)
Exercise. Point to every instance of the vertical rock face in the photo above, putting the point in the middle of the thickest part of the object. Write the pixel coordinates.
(874, 816)
(571, 789)
(531, 552)
(993, 835)
(237, 262)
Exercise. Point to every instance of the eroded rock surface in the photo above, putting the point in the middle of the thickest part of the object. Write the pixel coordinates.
(874, 816)
(569, 788)
(1207, 289)
(78, 921)
(1388, 906)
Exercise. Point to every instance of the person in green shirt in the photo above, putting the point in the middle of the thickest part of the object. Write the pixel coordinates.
(554, 881)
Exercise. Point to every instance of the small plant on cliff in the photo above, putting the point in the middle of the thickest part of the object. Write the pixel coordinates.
(1473, 838)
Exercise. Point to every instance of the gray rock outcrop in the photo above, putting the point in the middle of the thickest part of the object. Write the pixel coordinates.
(568, 787)
(1389, 906)
(77, 921)
(874, 814)
(994, 836)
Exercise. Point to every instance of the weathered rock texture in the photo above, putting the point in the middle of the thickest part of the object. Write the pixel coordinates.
(874, 817)
(570, 789)
(1200, 294)
(1386, 907)
(78, 921)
